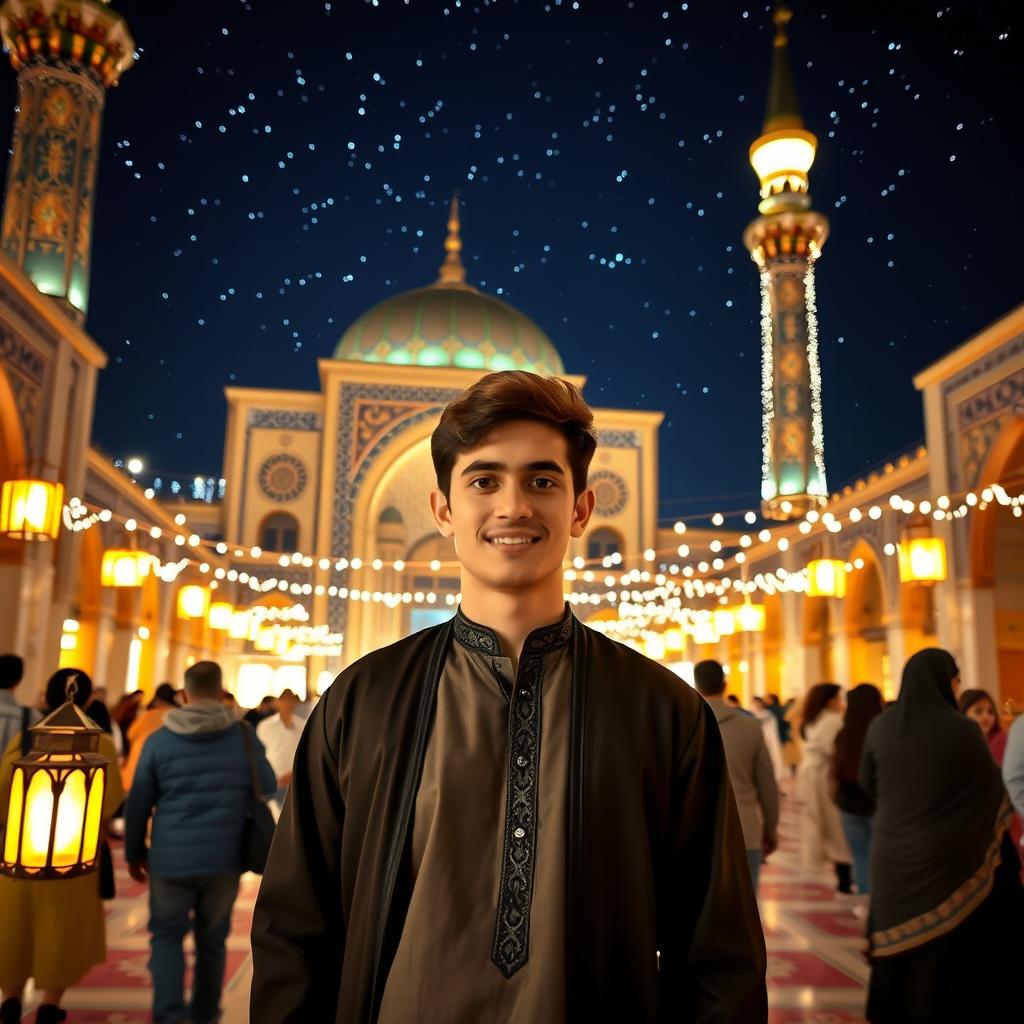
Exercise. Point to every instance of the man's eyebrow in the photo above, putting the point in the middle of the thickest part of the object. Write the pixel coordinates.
(483, 466)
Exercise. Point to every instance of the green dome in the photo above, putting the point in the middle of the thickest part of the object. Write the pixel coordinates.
(449, 325)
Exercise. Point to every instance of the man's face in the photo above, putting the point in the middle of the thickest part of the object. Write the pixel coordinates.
(512, 510)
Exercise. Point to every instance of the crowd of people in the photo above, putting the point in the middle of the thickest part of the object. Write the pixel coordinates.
(190, 760)
(916, 807)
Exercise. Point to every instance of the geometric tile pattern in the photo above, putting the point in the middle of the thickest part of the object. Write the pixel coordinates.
(816, 970)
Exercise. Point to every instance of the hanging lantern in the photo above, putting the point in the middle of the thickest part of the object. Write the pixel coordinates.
(266, 638)
(704, 632)
(750, 618)
(220, 615)
(193, 602)
(56, 802)
(725, 624)
(826, 577)
(654, 646)
(31, 509)
(673, 640)
(239, 626)
(922, 557)
(123, 567)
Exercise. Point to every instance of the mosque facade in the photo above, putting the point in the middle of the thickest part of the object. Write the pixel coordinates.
(323, 548)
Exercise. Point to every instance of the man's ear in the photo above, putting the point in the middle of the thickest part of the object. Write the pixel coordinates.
(442, 513)
(581, 513)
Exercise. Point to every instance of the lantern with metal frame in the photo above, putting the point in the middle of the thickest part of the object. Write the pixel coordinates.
(826, 577)
(219, 616)
(922, 557)
(750, 617)
(724, 620)
(56, 801)
(125, 567)
(193, 602)
(31, 509)
(239, 627)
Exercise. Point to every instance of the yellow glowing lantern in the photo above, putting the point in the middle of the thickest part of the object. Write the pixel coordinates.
(751, 618)
(725, 624)
(922, 557)
(220, 614)
(56, 802)
(704, 632)
(826, 577)
(193, 602)
(282, 643)
(238, 629)
(266, 638)
(654, 646)
(673, 640)
(123, 567)
(31, 509)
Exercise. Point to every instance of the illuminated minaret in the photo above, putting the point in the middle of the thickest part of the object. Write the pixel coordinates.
(785, 243)
(67, 54)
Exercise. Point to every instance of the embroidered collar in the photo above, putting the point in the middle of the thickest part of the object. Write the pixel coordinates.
(482, 640)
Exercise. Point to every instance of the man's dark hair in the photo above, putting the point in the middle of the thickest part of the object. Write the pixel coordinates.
(204, 680)
(709, 678)
(12, 668)
(165, 694)
(514, 395)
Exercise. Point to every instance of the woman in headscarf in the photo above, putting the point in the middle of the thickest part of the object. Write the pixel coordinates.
(53, 930)
(863, 705)
(945, 893)
(822, 840)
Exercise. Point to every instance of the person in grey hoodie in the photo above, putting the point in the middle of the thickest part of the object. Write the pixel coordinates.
(193, 779)
(750, 767)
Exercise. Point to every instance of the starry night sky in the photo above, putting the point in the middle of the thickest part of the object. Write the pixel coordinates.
(271, 170)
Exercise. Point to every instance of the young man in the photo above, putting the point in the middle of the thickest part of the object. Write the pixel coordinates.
(279, 734)
(509, 817)
(750, 766)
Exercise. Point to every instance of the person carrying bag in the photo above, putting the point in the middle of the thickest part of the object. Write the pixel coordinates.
(258, 831)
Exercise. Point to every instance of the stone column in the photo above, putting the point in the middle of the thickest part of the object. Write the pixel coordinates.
(978, 656)
(896, 642)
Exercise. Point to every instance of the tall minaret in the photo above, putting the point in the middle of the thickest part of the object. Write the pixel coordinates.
(785, 243)
(67, 54)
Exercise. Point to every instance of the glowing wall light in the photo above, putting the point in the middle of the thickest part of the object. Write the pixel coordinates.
(31, 509)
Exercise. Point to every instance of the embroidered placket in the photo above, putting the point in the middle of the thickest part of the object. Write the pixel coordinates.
(512, 928)
(511, 947)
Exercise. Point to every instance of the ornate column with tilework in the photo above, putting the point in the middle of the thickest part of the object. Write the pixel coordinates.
(785, 243)
(67, 54)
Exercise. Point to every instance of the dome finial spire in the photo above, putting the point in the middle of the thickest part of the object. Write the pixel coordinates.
(452, 270)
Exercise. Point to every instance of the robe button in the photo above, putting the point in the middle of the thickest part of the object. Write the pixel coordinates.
(519, 833)
(521, 761)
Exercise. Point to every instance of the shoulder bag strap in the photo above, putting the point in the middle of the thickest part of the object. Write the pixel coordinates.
(250, 755)
(26, 739)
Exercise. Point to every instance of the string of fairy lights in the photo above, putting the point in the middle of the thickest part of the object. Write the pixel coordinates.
(649, 590)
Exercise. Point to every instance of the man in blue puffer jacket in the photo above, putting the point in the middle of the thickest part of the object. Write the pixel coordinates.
(194, 779)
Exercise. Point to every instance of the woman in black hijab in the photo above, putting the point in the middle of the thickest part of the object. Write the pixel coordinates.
(944, 885)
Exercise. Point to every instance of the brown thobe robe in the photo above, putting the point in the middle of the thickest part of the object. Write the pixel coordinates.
(443, 969)
(660, 921)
